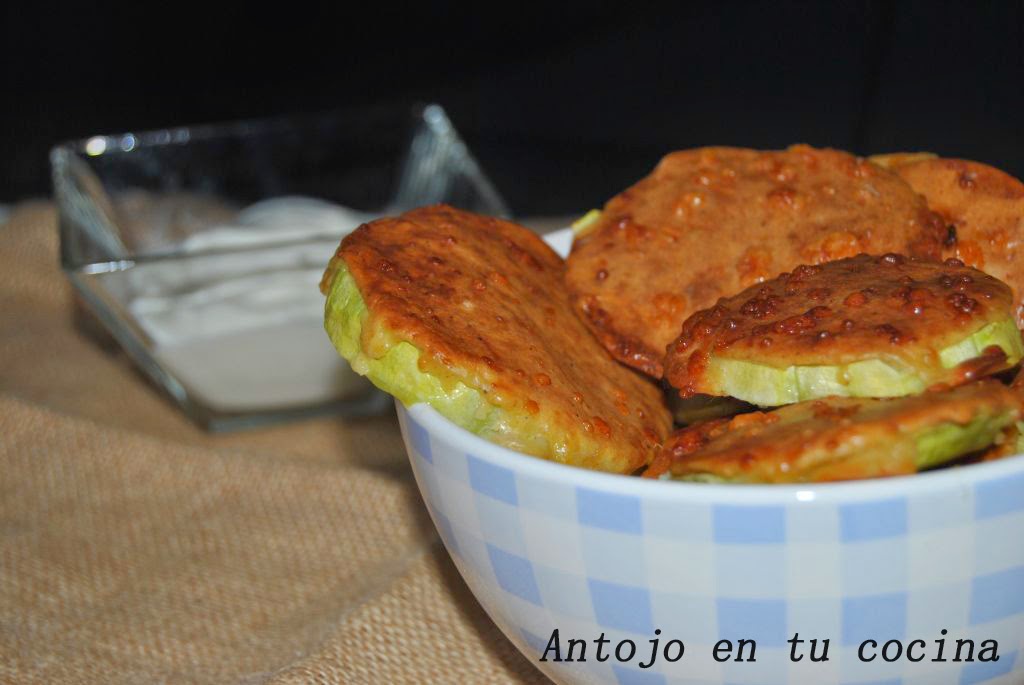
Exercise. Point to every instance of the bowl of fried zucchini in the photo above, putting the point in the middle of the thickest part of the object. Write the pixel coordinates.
(756, 420)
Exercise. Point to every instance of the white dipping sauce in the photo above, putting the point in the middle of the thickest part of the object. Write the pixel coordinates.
(237, 315)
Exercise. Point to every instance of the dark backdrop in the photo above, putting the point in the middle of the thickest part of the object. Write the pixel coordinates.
(564, 105)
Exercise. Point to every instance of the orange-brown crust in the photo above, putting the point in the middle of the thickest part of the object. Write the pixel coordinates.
(983, 208)
(712, 221)
(484, 300)
(839, 312)
(821, 440)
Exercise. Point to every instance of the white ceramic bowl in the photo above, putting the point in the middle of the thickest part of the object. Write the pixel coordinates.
(545, 546)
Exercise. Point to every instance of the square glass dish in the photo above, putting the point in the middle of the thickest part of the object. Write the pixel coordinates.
(200, 249)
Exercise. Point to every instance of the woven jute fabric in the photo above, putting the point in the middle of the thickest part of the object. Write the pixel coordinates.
(136, 548)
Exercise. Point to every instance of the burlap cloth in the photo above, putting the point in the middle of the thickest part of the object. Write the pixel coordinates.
(136, 548)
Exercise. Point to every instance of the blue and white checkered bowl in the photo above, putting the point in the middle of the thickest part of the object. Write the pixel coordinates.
(545, 546)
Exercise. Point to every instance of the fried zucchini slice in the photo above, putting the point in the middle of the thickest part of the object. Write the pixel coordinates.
(859, 327)
(711, 221)
(469, 314)
(844, 438)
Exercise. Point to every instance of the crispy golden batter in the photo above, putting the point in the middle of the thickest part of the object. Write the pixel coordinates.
(484, 302)
(984, 211)
(841, 312)
(843, 438)
(711, 221)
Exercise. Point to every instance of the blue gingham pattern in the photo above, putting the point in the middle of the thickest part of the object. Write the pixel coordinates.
(540, 553)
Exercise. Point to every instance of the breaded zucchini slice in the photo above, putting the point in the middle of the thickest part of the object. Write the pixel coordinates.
(708, 222)
(469, 314)
(860, 327)
(843, 438)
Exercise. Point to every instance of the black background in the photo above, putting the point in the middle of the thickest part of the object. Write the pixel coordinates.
(563, 105)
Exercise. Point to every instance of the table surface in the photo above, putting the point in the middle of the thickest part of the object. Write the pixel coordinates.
(137, 548)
